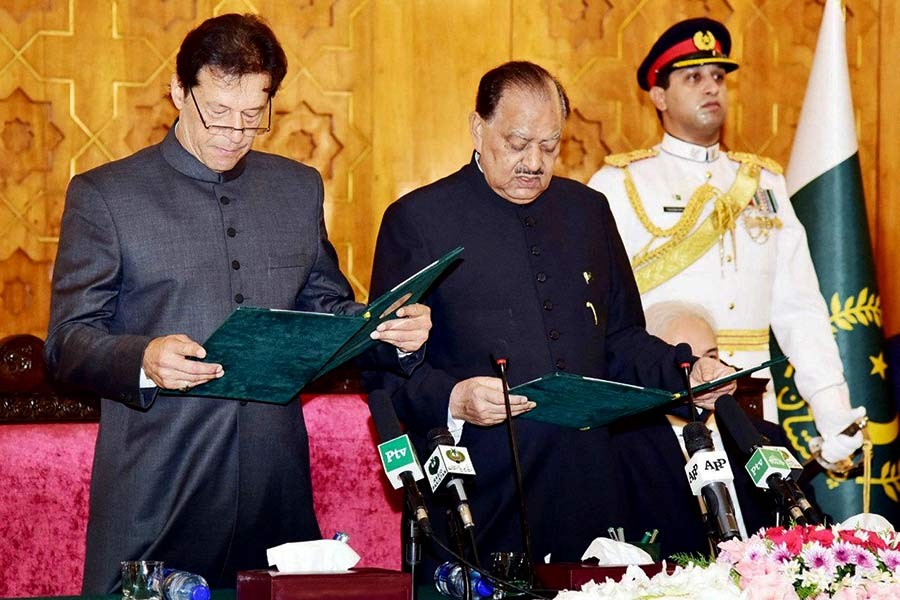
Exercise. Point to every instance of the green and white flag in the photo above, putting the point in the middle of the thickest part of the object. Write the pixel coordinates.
(825, 185)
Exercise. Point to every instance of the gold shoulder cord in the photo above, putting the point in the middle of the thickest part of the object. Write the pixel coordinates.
(676, 232)
(684, 248)
(688, 218)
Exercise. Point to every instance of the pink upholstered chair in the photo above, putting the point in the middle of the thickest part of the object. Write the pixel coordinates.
(45, 475)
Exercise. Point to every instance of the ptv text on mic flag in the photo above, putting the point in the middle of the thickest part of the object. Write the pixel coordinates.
(825, 185)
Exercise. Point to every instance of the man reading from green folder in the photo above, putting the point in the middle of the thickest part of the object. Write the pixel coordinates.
(155, 251)
(545, 271)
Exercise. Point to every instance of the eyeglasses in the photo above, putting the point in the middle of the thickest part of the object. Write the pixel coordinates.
(225, 129)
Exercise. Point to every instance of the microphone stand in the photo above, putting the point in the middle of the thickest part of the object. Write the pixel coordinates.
(456, 535)
(412, 548)
(517, 468)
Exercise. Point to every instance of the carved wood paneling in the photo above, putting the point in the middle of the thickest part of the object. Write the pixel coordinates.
(378, 94)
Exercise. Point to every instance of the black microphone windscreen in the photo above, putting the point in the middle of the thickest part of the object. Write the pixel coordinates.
(683, 353)
(439, 436)
(732, 417)
(500, 350)
(383, 414)
(697, 437)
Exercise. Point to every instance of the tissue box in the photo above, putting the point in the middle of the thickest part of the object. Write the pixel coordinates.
(571, 576)
(356, 584)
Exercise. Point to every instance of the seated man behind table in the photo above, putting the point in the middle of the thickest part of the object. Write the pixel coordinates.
(543, 269)
(155, 251)
(653, 456)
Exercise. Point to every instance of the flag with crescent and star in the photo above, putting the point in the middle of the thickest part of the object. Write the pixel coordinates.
(825, 185)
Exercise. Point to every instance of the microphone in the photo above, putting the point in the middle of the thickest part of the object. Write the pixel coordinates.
(770, 467)
(446, 467)
(500, 357)
(683, 357)
(708, 473)
(401, 465)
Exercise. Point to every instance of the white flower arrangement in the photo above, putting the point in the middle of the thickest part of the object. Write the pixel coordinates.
(795, 563)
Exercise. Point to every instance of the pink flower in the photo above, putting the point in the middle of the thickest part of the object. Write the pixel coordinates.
(880, 591)
(731, 551)
(781, 554)
(890, 558)
(770, 586)
(815, 556)
(751, 570)
(863, 559)
(850, 593)
(843, 552)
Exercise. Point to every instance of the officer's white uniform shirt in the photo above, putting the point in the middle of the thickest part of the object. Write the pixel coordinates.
(748, 285)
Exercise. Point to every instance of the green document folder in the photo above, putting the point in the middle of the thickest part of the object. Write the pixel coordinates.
(269, 355)
(584, 402)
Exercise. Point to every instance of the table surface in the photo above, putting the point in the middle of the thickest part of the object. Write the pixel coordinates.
(424, 592)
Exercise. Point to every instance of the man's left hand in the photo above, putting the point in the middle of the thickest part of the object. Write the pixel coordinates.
(708, 369)
(409, 331)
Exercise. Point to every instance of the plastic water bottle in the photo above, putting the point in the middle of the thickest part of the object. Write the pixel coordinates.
(181, 585)
(450, 581)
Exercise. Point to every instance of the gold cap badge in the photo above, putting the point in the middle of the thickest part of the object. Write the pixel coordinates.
(704, 40)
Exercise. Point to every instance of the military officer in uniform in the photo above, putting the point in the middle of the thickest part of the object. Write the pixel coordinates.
(716, 228)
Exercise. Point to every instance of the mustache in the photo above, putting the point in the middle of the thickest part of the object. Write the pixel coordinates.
(526, 171)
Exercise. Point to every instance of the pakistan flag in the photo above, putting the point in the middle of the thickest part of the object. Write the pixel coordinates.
(825, 185)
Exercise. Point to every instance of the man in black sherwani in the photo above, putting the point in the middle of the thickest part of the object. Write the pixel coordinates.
(543, 269)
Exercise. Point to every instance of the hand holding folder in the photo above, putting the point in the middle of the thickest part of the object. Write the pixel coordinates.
(269, 355)
(583, 402)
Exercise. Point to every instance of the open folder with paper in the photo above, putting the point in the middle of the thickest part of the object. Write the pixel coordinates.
(583, 402)
(269, 355)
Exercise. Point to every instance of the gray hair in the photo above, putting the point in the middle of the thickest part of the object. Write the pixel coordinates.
(660, 315)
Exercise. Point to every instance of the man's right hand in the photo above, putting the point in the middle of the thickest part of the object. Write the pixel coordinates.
(166, 364)
(479, 400)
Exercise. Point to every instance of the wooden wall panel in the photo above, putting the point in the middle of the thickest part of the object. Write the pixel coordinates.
(377, 98)
(887, 213)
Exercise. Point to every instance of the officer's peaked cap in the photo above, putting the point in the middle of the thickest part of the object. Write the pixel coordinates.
(688, 43)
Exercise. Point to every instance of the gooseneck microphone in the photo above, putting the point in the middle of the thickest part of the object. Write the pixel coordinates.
(446, 467)
(401, 465)
(770, 467)
(683, 357)
(500, 358)
(708, 474)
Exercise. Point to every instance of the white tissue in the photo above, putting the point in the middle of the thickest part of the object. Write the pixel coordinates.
(869, 521)
(611, 553)
(317, 556)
